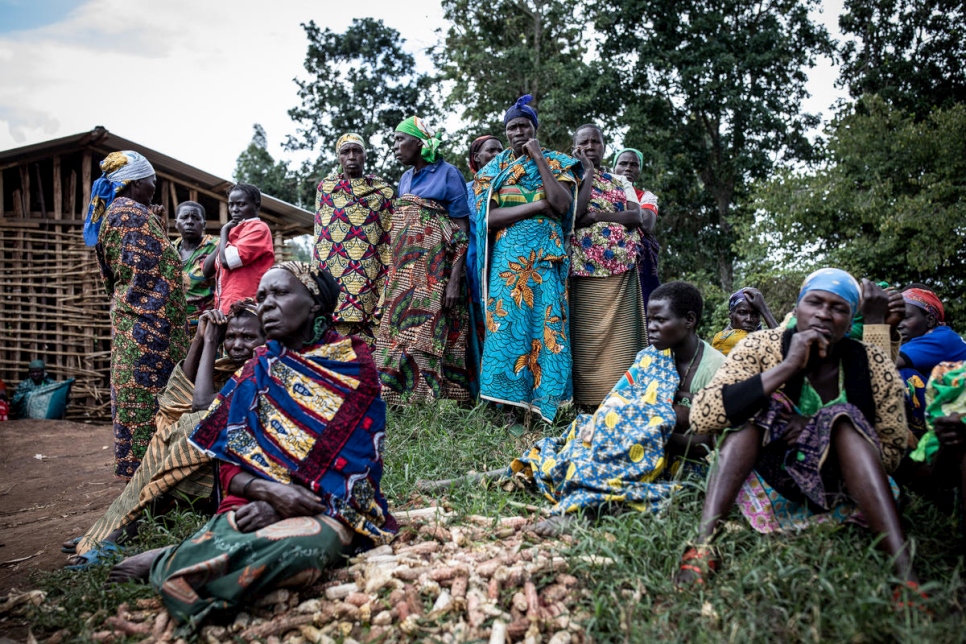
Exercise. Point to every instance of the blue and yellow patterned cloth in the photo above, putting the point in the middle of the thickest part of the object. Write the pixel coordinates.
(313, 418)
(617, 453)
(526, 360)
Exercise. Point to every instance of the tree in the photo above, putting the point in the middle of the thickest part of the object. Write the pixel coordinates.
(360, 81)
(714, 88)
(888, 203)
(255, 165)
(495, 52)
(912, 53)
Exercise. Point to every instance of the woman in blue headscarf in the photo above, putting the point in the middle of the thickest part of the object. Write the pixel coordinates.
(524, 213)
(819, 421)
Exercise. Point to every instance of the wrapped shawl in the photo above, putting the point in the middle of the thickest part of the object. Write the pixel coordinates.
(312, 417)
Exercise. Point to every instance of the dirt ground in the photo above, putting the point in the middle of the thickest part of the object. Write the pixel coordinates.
(56, 478)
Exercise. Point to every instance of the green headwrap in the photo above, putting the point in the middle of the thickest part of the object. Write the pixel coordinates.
(414, 126)
(36, 364)
(640, 156)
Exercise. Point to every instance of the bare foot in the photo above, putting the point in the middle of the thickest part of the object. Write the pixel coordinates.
(136, 567)
(555, 526)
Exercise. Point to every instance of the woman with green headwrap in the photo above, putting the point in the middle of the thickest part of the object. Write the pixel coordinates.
(629, 162)
(422, 341)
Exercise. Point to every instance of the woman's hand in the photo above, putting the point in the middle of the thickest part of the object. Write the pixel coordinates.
(803, 343)
(875, 303)
(754, 298)
(581, 156)
(293, 500)
(897, 308)
(950, 430)
(255, 516)
(794, 429)
(532, 149)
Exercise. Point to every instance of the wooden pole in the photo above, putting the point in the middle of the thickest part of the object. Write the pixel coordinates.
(86, 179)
(58, 190)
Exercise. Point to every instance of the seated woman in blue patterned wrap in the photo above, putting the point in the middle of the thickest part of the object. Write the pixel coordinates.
(620, 453)
(298, 433)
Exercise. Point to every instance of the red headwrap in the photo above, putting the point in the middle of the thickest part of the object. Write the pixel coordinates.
(927, 301)
(475, 147)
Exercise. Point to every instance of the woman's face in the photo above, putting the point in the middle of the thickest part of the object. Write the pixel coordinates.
(518, 132)
(629, 166)
(407, 148)
(241, 206)
(916, 323)
(824, 312)
(491, 148)
(353, 160)
(190, 223)
(665, 329)
(285, 307)
(745, 317)
(142, 190)
(591, 142)
(242, 336)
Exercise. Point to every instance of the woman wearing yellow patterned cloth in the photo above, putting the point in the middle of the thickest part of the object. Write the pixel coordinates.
(142, 273)
(298, 433)
(353, 219)
(618, 454)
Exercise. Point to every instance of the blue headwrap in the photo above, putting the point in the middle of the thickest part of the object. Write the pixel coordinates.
(520, 108)
(835, 281)
(118, 169)
(737, 296)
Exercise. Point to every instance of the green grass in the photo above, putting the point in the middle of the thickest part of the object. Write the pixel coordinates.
(827, 583)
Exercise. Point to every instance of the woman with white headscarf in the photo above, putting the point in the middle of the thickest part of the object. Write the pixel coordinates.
(142, 274)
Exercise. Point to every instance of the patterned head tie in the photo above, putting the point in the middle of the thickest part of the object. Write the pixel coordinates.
(346, 139)
(117, 170)
(522, 108)
(247, 306)
(322, 286)
(927, 301)
(835, 281)
(415, 126)
(736, 298)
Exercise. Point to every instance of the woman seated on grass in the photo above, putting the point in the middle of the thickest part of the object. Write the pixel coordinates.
(298, 434)
(820, 421)
(617, 454)
(746, 310)
(171, 467)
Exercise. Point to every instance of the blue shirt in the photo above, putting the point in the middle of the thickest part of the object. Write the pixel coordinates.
(942, 344)
(441, 182)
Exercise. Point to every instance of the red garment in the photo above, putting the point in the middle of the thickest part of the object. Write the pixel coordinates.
(647, 200)
(229, 502)
(251, 241)
(4, 410)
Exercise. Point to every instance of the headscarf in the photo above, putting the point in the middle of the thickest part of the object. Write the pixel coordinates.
(736, 297)
(117, 170)
(475, 147)
(414, 126)
(36, 364)
(349, 137)
(247, 305)
(835, 281)
(521, 108)
(927, 301)
(637, 153)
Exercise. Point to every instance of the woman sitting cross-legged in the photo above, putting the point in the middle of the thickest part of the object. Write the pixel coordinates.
(298, 433)
(172, 468)
(819, 422)
(618, 453)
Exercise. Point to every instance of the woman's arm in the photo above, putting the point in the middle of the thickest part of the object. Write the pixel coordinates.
(757, 301)
(558, 195)
(288, 500)
(208, 269)
(204, 379)
(452, 295)
(500, 218)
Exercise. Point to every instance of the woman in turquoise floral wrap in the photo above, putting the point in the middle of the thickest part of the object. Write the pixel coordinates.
(524, 213)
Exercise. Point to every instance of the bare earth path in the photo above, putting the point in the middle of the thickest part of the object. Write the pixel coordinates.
(44, 501)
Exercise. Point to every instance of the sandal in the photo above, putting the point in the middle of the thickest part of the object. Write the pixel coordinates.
(72, 548)
(702, 562)
(914, 597)
(103, 553)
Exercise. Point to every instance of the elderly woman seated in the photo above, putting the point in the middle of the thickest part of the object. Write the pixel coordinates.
(818, 421)
(298, 434)
(173, 469)
(746, 310)
(618, 454)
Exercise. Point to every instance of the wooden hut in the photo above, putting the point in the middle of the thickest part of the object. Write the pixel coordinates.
(53, 305)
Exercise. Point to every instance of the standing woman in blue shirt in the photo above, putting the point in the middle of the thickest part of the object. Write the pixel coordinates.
(421, 347)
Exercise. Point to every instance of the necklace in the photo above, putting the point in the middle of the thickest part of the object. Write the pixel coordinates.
(687, 373)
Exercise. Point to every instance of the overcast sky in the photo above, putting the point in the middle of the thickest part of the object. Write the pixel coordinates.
(189, 77)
